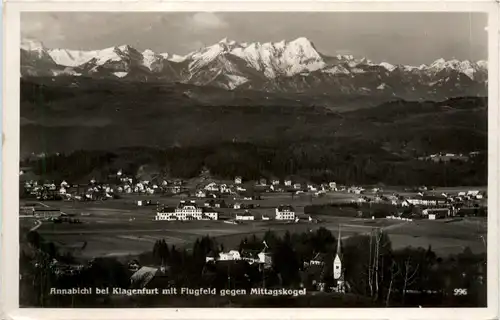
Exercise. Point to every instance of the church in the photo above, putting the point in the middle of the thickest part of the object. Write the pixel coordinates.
(338, 270)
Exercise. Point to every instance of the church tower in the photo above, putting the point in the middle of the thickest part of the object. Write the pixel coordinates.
(338, 270)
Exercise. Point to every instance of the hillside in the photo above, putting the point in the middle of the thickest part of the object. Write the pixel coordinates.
(181, 128)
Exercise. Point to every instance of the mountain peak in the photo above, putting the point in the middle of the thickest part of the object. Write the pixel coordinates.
(227, 42)
(32, 45)
(303, 41)
(125, 48)
(148, 52)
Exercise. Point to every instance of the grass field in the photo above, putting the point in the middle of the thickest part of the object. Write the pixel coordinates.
(121, 228)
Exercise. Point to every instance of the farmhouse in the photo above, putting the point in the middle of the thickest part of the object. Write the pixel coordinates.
(245, 216)
(285, 212)
(46, 213)
(436, 213)
(275, 181)
(238, 180)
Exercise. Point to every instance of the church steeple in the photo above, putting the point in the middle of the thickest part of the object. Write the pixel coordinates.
(338, 270)
(339, 253)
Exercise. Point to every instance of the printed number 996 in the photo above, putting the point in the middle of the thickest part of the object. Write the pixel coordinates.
(460, 292)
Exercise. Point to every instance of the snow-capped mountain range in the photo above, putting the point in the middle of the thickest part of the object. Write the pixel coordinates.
(286, 66)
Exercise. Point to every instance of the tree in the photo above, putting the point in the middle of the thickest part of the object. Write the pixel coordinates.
(380, 251)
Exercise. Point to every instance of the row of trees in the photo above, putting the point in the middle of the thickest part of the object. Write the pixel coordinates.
(344, 161)
(405, 277)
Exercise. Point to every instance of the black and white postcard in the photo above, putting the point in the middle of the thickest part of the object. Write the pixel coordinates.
(216, 157)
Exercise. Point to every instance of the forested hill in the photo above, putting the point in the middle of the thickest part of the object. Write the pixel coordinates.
(177, 129)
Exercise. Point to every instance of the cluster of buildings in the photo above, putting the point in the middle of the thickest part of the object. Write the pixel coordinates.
(438, 206)
(188, 210)
(262, 257)
(50, 191)
(447, 157)
(185, 211)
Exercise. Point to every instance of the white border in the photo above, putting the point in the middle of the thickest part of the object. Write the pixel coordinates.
(10, 231)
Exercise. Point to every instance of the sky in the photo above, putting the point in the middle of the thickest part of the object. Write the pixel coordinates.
(399, 38)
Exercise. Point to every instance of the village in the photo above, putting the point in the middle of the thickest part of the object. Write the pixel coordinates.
(239, 201)
(244, 208)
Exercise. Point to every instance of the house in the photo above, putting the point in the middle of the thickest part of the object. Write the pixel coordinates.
(297, 186)
(312, 188)
(318, 260)
(209, 203)
(333, 186)
(246, 216)
(263, 182)
(209, 214)
(427, 200)
(145, 276)
(240, 189)
(231, 255)
(237, 206)
(285, 212)
(238, 180)
(211, 256)
(288, 182)
(201, 194)
(46, 213)
(355, 190)
(212, 187)
(220, 203)
(186, 210)
(276, 182)
(436, 213)
(224, 188)
(265, 257)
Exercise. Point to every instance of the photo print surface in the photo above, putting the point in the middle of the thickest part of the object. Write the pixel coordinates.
(253, 159)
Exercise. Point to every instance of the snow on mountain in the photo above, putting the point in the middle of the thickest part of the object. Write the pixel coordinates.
(71, 58)
(336, 70)
(173, 57)
(235, 81)
(281, 58)
(483, 64)
(388, 66)
(152, 61)
(294, 66)
(466, 67)
(32, 45)
(120, 74)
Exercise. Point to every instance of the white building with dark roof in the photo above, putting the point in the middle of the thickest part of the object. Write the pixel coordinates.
(245, 216)
(285, 212)
(186, 210)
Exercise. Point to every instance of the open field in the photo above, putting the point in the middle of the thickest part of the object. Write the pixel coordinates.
(121, 228)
